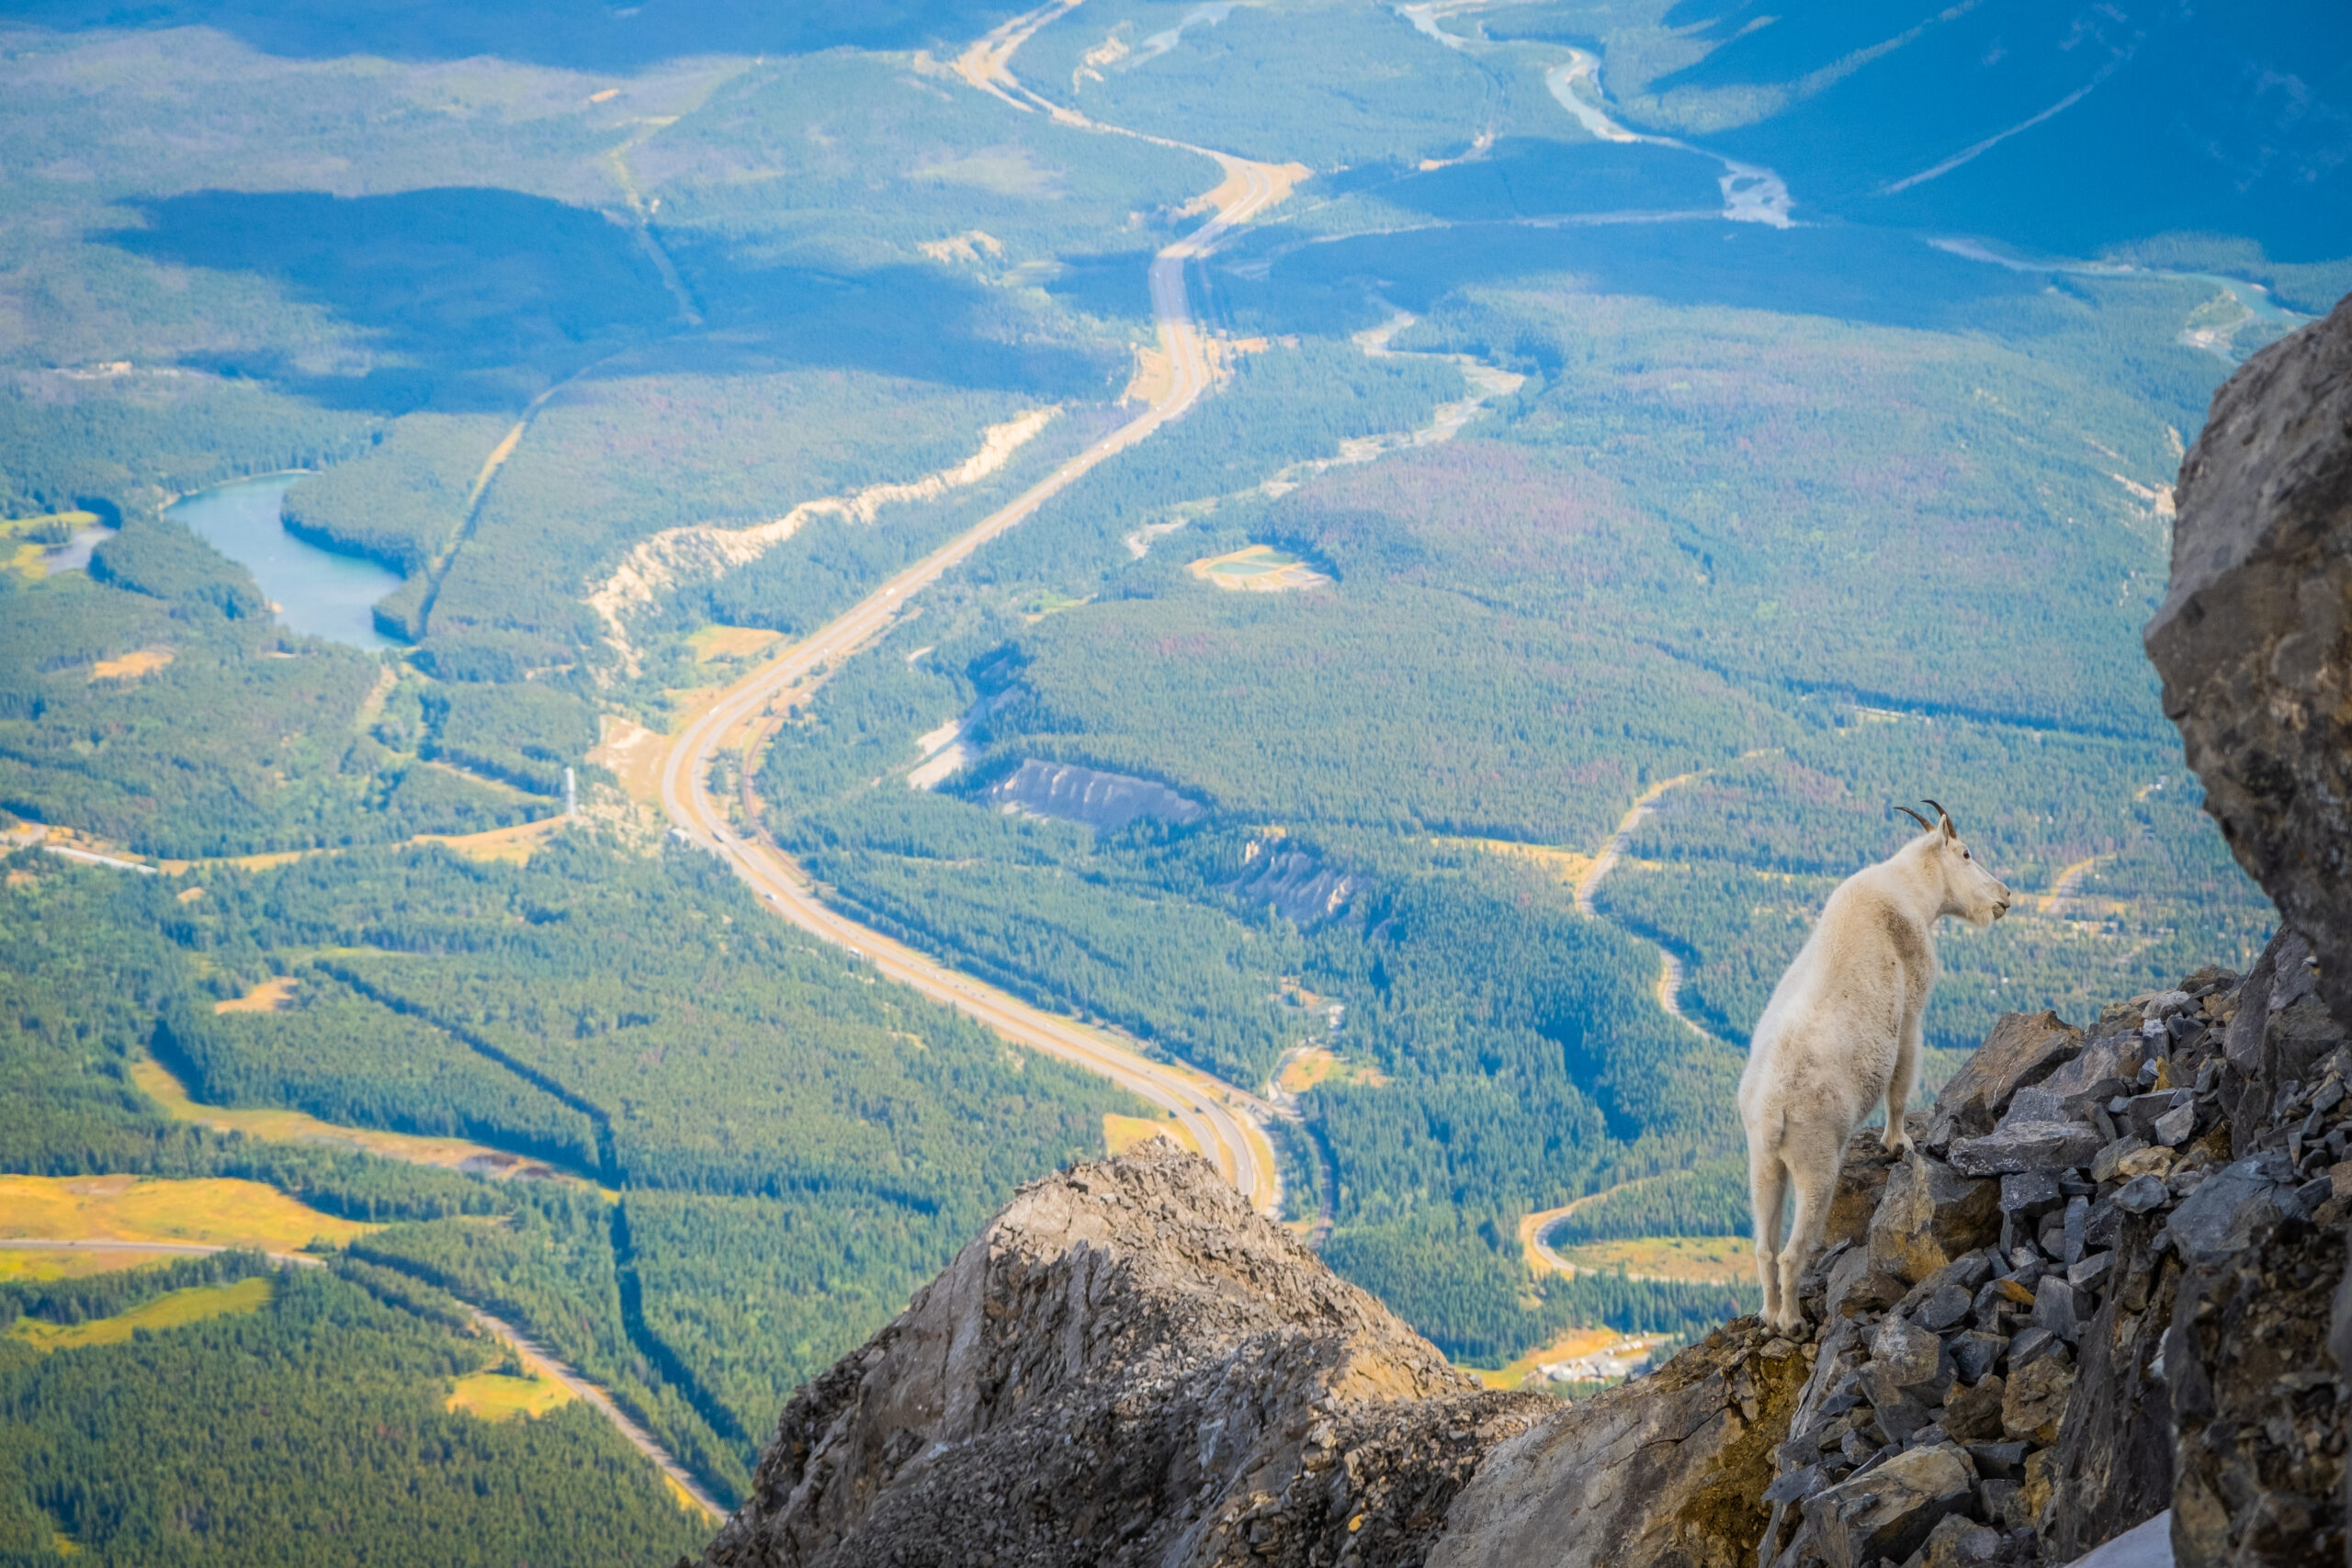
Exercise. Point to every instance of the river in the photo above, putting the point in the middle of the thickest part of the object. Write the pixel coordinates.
(312, 590)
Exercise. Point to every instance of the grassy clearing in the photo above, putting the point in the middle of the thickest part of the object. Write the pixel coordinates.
(1122, 1133)
(1568, 866)
(274, 1126)
(131, 666)
(1711, 1259)
(1573, 1343)
(633, 753)
(175, 1310)
(1304, 1069)
(1257, 569)
(511, 845)
(496, 1396)
(211, 1212)
(39, 1265)
(713, 643)
(274, 994)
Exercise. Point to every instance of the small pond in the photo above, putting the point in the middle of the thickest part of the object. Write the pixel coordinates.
(312, 590)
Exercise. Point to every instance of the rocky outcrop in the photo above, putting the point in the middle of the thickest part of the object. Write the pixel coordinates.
(2149, 1329)
(1670, 1472)
(2255, 638)
(1102, 801)
(1128, 1365)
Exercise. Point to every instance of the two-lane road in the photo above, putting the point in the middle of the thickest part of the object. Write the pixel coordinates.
(1221, 1118)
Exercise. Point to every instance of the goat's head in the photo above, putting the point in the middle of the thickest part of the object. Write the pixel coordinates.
(1968, 890)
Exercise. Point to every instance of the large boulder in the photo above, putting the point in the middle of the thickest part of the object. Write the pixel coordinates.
(2254, 640)
(1668, 1472)
(1128, 1365)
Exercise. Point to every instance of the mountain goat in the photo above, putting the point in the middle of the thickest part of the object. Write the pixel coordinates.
(1842, 1034)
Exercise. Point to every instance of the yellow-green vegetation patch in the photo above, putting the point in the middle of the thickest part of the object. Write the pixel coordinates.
(1710, 1259)
(175, 1310)
(1569, 1344)
(38, 1265)
(501, 1396)
(280, 1126)
(1121, 1133)
(1257, 569)
(35, 537)
(1310, 1065)
(209, 1211)
(713, 643)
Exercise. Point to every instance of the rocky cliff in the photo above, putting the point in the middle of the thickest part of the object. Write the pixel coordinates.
(2102, 1307)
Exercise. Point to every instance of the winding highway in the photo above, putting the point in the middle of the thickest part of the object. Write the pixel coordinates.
(1223, 1121)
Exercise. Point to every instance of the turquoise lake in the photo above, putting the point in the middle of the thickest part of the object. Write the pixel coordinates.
(312, 590)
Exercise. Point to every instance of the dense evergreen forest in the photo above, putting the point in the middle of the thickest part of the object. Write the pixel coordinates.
(1619, 525)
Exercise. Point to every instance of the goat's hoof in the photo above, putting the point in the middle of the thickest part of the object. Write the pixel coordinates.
(1897, 1146)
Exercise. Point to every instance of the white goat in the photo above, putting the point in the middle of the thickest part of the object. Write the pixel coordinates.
(1842, 1034)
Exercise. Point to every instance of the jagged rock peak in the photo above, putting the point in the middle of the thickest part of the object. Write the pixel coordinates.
(1128, 1366)
(2255, 638)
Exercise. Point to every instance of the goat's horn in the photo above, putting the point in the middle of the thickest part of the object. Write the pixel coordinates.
(1939, 812)
(1914, 816)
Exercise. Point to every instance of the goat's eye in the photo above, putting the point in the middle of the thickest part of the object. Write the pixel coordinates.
(1965, 855)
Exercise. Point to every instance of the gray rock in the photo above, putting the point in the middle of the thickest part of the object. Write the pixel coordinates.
(2029, 1344)
(2053, 1308)
(2218, 1218)
(1998, 1461)
(2143, 1109)
(1975, 1353)
(2030, 1193)
(2029, 1146)
(2175, 1127)
(2022, 1049)
(2141, 1194)
(1889, 1512)
(2253, 639)
(1945, 1308)
(2091, 1272)
(1909, 1357)
(2103, 1224)
(2071, 1249)
(2107, 1066)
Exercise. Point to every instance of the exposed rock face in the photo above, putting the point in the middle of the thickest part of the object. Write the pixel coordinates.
(1298, 885)
(1100, 800)
(1665, 1472)
(1128, 1365)
(2255, 639)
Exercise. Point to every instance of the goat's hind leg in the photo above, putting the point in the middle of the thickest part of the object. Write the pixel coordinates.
(1767, 1186)
(1813, 1164)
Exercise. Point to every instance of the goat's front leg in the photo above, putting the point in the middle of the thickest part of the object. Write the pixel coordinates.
(1899, 1084)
